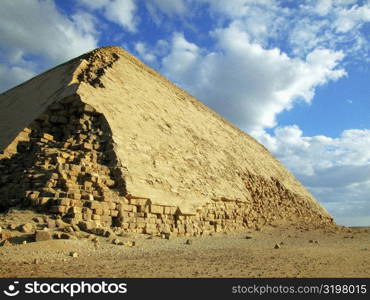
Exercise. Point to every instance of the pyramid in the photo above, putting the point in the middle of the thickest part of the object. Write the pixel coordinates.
(105, 141)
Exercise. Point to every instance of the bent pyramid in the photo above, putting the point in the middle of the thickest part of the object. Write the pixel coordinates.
(103, 140)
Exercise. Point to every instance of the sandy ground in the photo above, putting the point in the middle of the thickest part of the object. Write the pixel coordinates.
(335, 254)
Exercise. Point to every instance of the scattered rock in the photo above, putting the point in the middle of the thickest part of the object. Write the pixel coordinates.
(116, 241)
(129, 243)
(26, 228)
(5, 235)
(189, 242)
(13, 226)
(57, 235)
(87, 226)
(73, 254)
(24, 242)
(75, 227)
(50, 224)
(60, 224)
(38, 220)
(43, 235)
(66, 236)
(98, 231)
(6, 243)
(281, 243)
(248, 237)
(316, 242)
(68, 229)
(35, 261)
(277, 246)
(167, 236)
(76, 234)
(92, 237)
(108, 233)
(310, 241)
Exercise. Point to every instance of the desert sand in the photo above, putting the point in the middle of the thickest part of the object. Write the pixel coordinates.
(301, 253)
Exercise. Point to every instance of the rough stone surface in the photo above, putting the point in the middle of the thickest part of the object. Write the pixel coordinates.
(26, 228)
(104, 141)
(5, 243)
(73, 254)
(43, 235)
(4, 235)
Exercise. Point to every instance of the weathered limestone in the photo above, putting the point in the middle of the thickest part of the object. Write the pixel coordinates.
(74, 160)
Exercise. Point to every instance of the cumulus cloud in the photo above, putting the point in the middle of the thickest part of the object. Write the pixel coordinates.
(335, 170)
(143, 52)
(169, 7)
(37, 28)
(249, 80)
(303, 28)
(263, 20)
(121, 12)
(348, 19)
(323, 7)
(244, 82)
(9, 76)
(151, 53)
(181, 63)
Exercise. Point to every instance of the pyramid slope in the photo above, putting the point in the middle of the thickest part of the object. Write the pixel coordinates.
(170, 148)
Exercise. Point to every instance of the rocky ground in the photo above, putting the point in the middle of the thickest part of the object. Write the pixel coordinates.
(271, 252)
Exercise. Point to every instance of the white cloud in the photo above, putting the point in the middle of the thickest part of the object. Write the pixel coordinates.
(143, 52)
(244, 82)
(96, 4)
(151, 53)
(121, 12)
(86, 22)
(347, 19)
(335, 170)
(37, 28)
(180, 64)
(170, 7)
(240, 8)
(263, 20)
(9, 76)
(302, 28)
(323, 7)
(318, 152)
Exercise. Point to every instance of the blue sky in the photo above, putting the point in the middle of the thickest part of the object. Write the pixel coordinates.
(293, 74)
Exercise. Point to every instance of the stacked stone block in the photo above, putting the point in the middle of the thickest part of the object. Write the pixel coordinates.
(64, 163)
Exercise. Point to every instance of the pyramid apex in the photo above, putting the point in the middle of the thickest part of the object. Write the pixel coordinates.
(109, 114)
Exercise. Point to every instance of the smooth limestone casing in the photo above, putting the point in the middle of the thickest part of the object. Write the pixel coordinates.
(176, 151)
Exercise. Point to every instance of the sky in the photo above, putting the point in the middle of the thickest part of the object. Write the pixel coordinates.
(293, 74)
